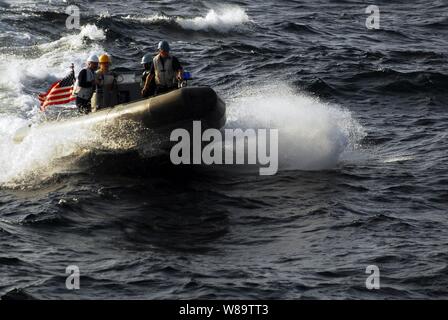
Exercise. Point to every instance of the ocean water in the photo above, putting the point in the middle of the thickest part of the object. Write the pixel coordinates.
(363, 176)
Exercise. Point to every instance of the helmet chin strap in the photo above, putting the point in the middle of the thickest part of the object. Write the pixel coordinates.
(164, 54)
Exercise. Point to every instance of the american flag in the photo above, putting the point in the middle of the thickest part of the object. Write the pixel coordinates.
(60, 92)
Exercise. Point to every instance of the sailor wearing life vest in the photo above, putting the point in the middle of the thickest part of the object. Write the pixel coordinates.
(85, 85)
(166, 71)
(106, 85)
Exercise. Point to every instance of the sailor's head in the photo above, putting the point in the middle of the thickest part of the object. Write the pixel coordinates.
(92, 62)
(164, 48)
(104, 62)
(146, 61)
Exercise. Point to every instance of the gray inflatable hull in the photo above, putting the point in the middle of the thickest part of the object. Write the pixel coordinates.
(177, 109)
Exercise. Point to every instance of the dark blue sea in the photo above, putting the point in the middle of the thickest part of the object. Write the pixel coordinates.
(362, 116)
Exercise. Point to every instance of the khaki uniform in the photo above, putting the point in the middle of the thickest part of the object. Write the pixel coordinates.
(106, 95)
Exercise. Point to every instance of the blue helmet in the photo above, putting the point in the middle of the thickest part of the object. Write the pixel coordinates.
(147, 58)
(164, 45)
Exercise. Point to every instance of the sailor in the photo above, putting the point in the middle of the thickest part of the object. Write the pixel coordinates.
(85, 85)
(166, 70)
(147, 64)
(106, 85)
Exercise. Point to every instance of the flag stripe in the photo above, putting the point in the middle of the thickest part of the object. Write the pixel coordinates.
(58, 93)
(44, 107)
(61, 101)
(56, 90)
(49, 90)
(60, 97)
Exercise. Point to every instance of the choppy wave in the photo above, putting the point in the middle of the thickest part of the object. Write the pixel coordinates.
(220, 20)
(389, 80)
(398, 159)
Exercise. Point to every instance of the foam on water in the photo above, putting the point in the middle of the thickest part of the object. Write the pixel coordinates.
(20, 70)
(223, 20)
(398, 158)
(46, 150)
(312, 134)
(33, 160)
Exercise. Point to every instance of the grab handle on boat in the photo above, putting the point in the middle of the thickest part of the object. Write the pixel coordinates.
(186, 76)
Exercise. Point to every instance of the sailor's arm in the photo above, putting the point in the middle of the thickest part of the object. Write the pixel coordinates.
(147, 84)
(180, 75)
(179, 70)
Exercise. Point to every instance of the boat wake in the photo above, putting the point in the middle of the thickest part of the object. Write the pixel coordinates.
(44, 153)
(312, 134)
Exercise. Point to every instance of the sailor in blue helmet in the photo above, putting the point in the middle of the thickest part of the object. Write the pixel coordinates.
(166, 70)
